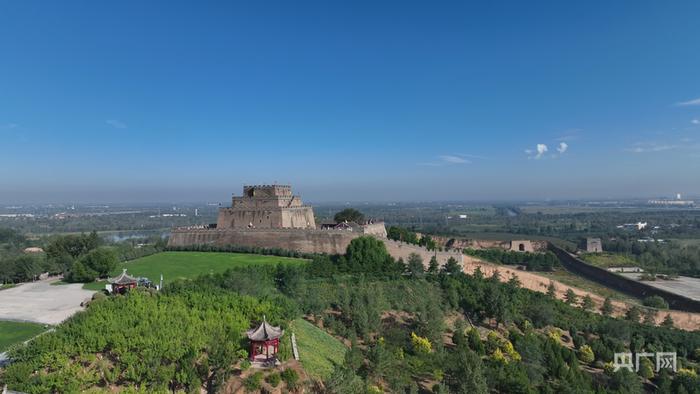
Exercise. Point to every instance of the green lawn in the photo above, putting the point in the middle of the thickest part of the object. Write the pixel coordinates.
(606, 260)
(179, 265)
(318, 350)
(15, 332)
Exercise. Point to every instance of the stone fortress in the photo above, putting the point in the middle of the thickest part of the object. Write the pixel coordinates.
(267, 206)
(270, 216)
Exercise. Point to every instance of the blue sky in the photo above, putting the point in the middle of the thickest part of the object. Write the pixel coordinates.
(178, 101)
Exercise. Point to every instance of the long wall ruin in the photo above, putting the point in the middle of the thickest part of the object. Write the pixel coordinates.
(270, 216)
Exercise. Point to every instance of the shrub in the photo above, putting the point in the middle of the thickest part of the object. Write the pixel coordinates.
(585, 354)
(290, 377)
(273, 379)
(253, 382)
(655, 302)
(420, 344)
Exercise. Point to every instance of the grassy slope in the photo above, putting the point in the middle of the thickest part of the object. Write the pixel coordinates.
(176, 265)
(318, 350)
(15, 332)
(606, 260)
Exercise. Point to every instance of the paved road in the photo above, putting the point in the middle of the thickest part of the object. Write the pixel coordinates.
(41, 302)
(683, 285)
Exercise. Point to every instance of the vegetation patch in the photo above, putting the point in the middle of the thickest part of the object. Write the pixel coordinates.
(318, 350)
(12, 333)
(189, 265)
(607, 260)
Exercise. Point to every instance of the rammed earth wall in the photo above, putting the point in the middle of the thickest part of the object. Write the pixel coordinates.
(305, 241)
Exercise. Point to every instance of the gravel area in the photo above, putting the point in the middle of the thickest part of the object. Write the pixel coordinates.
(683, 285)
(40, 302)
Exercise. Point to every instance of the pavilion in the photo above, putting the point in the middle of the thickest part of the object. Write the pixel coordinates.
(122, 283)
(264, 341)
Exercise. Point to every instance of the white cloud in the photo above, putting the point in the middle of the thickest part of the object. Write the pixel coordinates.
(453, 159)
(541, 150)
(689, 102)
(563, 146)
(444, 160)
(695, 121)
(116, 124)
(649, 147)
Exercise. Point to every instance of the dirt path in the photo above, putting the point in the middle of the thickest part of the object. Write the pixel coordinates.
(683, 320)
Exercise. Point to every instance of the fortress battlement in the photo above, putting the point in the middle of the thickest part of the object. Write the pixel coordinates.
(266, 206)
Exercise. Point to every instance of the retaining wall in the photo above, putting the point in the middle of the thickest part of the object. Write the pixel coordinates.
(622, 284)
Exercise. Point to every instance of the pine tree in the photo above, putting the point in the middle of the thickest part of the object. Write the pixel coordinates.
(552, 290)
(633, 314)
(668, 321)
(570, 297)
(587, 303)
(465, 375)
(650, 316)
(433, 266)
(607, 308)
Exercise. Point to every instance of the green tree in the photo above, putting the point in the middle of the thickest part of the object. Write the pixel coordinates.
(570, 297)
(452, 267)
(587, 303)
(646, 369)
(552, 290)
(433, 266)
(668, 321)
(475, 342)
(464, 373)
(655, 302)
(607, 308)
(81, 273)
(650, 316)
(633, 314)
(349, 215)
(415, 265)
(101, 260)
(368, 254)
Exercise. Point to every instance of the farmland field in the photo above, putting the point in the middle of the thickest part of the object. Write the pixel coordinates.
(188, 265)
(15, 332)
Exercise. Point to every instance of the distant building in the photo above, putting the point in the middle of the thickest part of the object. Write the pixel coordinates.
(626, 269)
(594, 245)
(521, 246)
(33, 249)
(639, 226)
(678, 202)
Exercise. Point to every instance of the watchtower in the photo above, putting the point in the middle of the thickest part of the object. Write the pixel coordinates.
(266, 206)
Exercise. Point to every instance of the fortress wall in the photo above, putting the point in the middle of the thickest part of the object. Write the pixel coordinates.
(464, 243)
(306, 241)
(376, 229)
(623, 284)
(402, 250)
(301, 217)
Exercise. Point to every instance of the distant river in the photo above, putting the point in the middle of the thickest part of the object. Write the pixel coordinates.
(119, 236)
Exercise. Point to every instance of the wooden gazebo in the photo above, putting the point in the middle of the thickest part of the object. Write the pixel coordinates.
(122, 283)
(264, 341)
